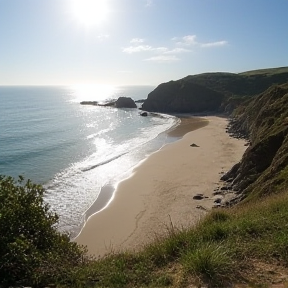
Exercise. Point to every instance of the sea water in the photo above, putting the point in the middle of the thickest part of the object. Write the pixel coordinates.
(74, 150)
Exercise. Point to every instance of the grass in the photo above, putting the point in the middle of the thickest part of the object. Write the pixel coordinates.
(224, 247)
(209, 262)
(265, 71)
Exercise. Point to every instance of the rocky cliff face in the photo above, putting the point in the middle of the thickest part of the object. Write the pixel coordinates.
(182, 97)
(264, 166)
(212, 91)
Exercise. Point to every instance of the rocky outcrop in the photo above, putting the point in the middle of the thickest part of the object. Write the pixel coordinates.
(125, 102)
(182, 97)
(121, 102)
(212, 92)
(95, 103)
(263, 168)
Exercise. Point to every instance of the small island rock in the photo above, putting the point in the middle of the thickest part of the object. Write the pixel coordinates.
(125, 102)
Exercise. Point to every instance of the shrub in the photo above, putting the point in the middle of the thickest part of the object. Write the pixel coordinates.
(32, 251)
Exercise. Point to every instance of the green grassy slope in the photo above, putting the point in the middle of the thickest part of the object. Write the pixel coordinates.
(267, 71)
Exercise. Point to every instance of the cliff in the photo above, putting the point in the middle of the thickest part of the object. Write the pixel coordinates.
(212, 92)
(264, 167)
(182, 96)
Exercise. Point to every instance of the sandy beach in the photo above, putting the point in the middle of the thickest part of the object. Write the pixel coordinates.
(161, 188)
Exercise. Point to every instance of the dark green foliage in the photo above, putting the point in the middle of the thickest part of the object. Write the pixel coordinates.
(32, 251)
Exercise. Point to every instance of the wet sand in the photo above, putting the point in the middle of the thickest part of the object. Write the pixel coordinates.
(161, 188)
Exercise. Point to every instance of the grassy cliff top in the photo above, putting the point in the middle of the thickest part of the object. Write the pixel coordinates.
(268, 71)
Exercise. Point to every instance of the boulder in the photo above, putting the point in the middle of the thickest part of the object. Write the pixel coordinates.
(218, 200)
(125, 102)
(198, 196)
(144, 113)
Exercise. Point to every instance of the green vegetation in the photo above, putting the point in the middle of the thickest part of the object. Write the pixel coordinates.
(32, 252)
(247, 243)
(226, 246)
(266, 71)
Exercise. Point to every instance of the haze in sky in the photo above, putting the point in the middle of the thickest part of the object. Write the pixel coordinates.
(122, 42)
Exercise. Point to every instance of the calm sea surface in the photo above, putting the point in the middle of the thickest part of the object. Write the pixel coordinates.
(73, 149)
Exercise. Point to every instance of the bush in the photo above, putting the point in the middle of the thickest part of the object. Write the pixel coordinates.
(32, 251)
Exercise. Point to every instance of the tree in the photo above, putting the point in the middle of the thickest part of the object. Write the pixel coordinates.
(32, 251)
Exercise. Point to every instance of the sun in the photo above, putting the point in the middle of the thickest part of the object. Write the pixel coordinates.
(90, 12)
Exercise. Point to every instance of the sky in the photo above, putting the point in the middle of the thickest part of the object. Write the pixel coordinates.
(137, 42)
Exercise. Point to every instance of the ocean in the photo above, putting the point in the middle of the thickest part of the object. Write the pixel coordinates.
(73, 150)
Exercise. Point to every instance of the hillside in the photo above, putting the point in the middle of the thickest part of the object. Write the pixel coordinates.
(212, 92)
(264, 167)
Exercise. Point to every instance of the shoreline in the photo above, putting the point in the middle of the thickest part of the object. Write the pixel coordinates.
(161, 189)
(187, 123)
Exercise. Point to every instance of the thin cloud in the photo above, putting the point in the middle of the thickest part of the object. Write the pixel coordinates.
(157, 50)
(177, 51)
(215, 44)
(137, 49)
(143, 48)
(163, 59)
(160, 49)
(136, 40)
(168, 55)
(188, 40)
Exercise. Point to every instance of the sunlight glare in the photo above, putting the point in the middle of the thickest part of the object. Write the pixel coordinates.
(93, 92)
(90, 12)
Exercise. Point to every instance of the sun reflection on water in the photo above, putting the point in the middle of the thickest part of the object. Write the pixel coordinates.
(93, 92)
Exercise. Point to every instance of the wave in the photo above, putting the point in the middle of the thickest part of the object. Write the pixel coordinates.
(117, 149)
(102, 163)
